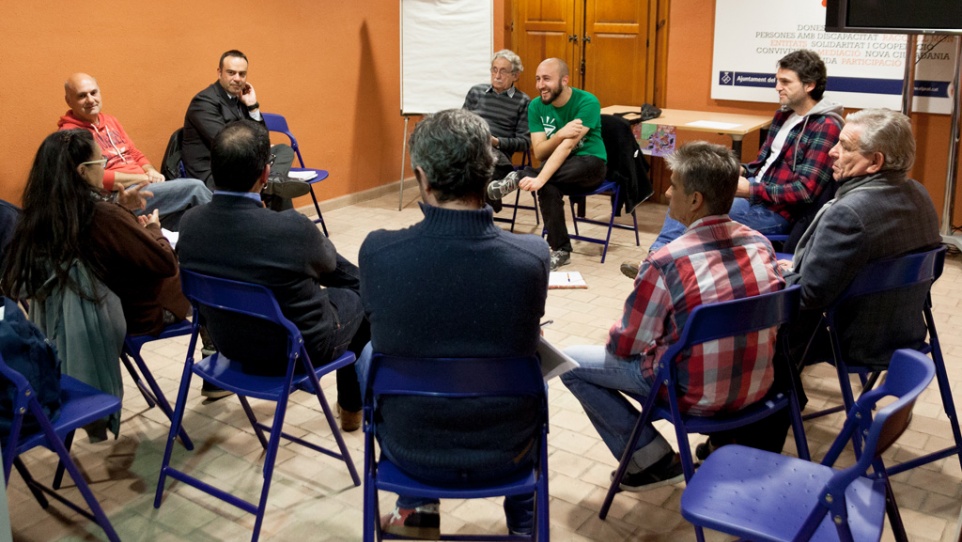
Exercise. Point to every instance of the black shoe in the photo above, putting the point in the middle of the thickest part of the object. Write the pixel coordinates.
(705, 449)
(665, 471)
(559, 258)
(285, 187)
(214, 393)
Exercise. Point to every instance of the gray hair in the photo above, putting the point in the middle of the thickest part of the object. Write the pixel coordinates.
(888, 132)
(511, 57)
(710, 169)
(453, 147)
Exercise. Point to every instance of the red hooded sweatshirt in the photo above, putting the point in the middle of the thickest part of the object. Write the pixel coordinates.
(119, 150)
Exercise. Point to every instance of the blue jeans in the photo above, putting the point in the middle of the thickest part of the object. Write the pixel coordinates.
(596, 384)
(171, 198)
(757, 217)
(518, 509)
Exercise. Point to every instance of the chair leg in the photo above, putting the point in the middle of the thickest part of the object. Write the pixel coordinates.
(335, 431)
(254, 423)
(58, 475)
(149, 397)
(155, 392)
(623, 464)
(32, 484)
(175, 422)
(892, 509)
(317, 207)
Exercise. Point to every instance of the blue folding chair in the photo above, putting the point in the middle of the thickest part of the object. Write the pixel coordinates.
(758, 495)
(918, 270)
(709, 323)
(80, 405)
(612, 190)
(454, 378)
(258, 302)
(277, 123)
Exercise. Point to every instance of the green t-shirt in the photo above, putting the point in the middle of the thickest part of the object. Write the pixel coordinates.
(582, 105)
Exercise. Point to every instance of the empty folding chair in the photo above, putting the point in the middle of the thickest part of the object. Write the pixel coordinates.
(277, 123)
(758, 495)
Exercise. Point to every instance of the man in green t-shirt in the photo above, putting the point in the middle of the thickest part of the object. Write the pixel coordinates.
(565, 125)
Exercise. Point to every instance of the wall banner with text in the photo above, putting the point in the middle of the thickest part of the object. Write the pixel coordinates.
(864, 70)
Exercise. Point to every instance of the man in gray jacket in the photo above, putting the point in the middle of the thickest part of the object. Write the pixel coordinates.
(878, 212)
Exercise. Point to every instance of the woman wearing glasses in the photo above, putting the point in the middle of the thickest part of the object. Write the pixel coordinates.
(92, 271)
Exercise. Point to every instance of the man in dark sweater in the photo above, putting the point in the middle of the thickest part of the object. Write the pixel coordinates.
(454, 285)
(235, 237)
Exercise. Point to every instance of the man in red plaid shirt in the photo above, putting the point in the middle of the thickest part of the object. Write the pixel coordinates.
(716, 259)
(793, 167)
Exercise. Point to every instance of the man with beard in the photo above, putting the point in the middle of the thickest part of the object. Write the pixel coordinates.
(565, 125)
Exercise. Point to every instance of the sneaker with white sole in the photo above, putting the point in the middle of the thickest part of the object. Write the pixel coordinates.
(559, 258)
(666, 471)
(507, 185)
(422, 523)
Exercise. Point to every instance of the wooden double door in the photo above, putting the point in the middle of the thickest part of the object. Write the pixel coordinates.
(611, 46)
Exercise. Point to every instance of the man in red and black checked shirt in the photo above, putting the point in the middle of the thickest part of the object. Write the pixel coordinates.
(793, 166)
(715, 259)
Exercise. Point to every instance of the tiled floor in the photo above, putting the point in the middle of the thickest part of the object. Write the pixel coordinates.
(312, 497)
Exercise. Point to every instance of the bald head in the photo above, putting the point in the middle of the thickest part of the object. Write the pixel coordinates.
(83, 96)
(551, 80)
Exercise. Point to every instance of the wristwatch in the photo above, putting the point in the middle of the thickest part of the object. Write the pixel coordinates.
(254, 106)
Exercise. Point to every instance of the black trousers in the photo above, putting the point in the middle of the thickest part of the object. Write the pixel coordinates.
(577, 175)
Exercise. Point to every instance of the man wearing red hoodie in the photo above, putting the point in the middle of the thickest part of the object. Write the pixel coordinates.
(126, 165)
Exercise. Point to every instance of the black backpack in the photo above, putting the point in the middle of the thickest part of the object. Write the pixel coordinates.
(25, 350)
(172, 166)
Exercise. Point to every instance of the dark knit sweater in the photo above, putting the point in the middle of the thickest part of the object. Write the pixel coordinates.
(455, 285)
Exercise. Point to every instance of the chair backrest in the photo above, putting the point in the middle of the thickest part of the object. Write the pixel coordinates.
(455, 377)
(894, 273)
(241, 298)
(172, 166)
(277, 123)
(715, 321)
(909, 373)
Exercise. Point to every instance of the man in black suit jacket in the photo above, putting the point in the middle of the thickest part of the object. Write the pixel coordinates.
(233, 98)
(235, 237)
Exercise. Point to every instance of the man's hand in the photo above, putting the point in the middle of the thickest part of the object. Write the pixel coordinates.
(531, 184)
(248, 97)
(494, 142)
(153, 176)
(133, 197)
(572, 130)
(743, 190)
(785, 266)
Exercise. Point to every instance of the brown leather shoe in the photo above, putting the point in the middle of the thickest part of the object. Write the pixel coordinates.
(350, 420)
(629, 268)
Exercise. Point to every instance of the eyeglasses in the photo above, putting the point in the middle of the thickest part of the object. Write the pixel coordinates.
(102, 162)
(501, 71)
(270, 161)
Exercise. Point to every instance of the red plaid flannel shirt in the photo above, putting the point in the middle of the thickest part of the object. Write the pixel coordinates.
(802, 171)
(716, 259)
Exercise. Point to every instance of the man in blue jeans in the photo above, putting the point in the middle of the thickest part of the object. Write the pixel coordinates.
(793, 167)
(454, 285)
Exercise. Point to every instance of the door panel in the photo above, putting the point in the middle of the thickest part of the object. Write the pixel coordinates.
(542, 29)
(613, 64)
(616, 51)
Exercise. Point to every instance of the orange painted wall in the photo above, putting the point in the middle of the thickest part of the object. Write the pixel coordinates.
(331, 67)
(690, 44)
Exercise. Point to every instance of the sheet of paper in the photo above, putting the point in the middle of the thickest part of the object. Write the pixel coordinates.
(302, 175)
(713, 124)
(554, 362)
(559, 279)
(172, 236)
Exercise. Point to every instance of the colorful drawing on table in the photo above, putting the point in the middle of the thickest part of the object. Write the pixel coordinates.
(661, 142)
